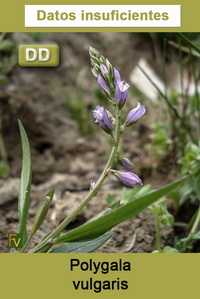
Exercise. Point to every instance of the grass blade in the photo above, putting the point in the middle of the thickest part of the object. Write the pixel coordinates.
(191, 44)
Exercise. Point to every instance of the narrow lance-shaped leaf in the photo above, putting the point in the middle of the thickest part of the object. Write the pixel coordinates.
(25, 184)
(42, 211)
(82, 247)
(99, 226)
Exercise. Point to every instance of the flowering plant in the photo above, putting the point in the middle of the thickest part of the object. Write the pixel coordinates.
(91, 235)
(116, 91)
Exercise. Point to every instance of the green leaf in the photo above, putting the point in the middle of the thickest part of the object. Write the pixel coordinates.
(82, 247)
(156, 251)
(50, 193)
(161, 214)
(45, 248)
(167, 219)
(99, 226)
(25, 184)
(184, 245)
(42, 211)
(169, 249)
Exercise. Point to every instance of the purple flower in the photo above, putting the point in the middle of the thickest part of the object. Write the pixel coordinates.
(102, 83)
(129, 178)
(135, 114)
(125, 164)
(117, 76)
(101, 117)
(121, 92)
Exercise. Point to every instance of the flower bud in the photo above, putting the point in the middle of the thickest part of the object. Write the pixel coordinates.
(108, 65)
(102, 84)
(125, 164)
(94, 72)
(117, 76)
(104, 69)
(112, 119)
(129, 179)
(93, 52)
(42, 211)
(135, 114)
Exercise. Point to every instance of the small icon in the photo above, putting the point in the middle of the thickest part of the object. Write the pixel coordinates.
(38, 55)
(14, 241)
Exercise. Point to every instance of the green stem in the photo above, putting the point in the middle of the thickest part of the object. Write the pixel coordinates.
(92, 192)
(26, 244)
(158, 243)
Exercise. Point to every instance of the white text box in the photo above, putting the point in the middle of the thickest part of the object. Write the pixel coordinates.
(103, 16)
